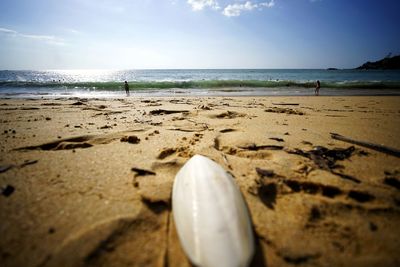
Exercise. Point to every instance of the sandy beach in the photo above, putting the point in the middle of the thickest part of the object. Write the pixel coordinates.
(87, 182)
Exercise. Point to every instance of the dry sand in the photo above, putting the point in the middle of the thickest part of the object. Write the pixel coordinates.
(88, 182)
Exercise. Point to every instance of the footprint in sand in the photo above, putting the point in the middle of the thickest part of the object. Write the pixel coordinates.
(285, 110)
(227, 115)
(268, 177)
(250, 151)
(86, 141)
(184, 150)
(124, 241)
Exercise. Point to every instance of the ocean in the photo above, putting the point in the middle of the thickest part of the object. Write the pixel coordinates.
(201, 82)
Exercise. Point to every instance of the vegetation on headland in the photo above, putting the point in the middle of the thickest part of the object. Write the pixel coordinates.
(387, 63)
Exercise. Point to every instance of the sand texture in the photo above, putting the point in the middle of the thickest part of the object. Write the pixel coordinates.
(87, 182)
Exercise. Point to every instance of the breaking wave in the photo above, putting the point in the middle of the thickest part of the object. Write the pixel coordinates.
(195, 84)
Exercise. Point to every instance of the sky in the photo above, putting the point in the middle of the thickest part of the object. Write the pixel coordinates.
(180, 34)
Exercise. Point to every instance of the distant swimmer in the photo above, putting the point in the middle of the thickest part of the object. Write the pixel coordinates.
(317, 88)
(127, 88)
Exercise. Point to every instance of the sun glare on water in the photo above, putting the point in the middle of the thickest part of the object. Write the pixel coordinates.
(87, 75)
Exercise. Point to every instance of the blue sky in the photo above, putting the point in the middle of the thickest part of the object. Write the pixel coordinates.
(134, 34)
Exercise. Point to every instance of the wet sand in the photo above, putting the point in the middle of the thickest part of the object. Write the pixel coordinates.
(87, 182)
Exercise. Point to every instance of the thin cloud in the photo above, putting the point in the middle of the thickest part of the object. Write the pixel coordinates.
(201, 4)
(46, 38)
(267, 4)
(235, 10)
(7, 31)
(73, 31)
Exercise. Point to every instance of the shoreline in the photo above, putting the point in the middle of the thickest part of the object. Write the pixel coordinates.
(75, 190)
(196, 92)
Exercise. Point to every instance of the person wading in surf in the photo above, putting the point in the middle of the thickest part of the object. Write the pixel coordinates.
(127, 88)
(317, 88)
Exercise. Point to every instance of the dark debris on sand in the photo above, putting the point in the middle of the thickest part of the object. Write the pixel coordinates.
(8, 190)
(326, 158)
(132, 139)
(142, 172)
(4, 168)
(392, 179)
(166, 112)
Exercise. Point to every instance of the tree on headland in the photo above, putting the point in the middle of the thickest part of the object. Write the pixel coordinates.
(389, 55)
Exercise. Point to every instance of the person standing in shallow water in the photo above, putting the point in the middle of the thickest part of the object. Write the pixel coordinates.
(127, 88)
(317, 88)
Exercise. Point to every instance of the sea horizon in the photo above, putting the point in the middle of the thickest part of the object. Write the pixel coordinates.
(183, 68)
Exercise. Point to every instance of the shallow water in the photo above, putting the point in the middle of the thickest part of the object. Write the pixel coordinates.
(109, 83)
